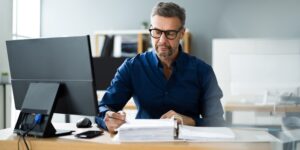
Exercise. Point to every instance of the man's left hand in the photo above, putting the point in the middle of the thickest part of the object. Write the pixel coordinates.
(184, 119)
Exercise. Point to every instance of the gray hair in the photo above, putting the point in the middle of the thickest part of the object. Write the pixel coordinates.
(169, 9)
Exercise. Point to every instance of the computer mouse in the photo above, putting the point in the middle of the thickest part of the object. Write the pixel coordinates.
(84, 123)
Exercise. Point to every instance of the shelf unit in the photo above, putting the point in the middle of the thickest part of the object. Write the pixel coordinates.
(143, 38)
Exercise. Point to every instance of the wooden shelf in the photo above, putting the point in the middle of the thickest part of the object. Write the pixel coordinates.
(143, 39)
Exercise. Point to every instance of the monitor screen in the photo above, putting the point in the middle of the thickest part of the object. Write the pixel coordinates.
(63, 60)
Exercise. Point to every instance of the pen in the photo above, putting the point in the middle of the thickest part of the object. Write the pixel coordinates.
(110, 115)
(122, 113)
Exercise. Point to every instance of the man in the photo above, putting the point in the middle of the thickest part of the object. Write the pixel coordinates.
(164, 82)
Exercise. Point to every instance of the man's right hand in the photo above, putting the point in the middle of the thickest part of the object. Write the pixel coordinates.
(114, 120)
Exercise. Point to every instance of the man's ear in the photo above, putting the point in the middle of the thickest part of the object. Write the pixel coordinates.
(182, 32)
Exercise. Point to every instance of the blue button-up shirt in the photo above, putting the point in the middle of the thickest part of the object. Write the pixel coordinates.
(191, 90)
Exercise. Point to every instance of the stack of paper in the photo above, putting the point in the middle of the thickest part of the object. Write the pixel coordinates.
(204, 133)
(147, 130)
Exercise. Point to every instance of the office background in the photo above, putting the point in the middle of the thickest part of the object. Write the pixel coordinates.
(206, 20)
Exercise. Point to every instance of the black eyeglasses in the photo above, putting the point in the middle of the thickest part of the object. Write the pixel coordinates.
(170, 34)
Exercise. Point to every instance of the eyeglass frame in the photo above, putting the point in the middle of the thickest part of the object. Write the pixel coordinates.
(166, 32)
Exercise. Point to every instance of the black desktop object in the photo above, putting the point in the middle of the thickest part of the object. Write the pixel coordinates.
(51, 75)
(104, 69)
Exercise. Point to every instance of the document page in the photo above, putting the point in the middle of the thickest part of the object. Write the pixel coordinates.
(147, 130)
(207, 133)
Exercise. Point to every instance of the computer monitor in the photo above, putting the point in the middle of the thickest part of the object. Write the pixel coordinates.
(51, 75)
(104, 69)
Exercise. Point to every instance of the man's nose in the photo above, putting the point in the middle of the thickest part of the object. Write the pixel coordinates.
(163, 37)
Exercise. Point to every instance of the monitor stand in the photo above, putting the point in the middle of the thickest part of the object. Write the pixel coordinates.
(37, 111)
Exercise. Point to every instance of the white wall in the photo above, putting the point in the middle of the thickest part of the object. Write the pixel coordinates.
(260, 19)
(5, 31)
(72, 17)
(5, 34)
(206, 19)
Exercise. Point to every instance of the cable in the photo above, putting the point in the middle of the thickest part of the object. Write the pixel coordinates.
(25, 134)
(37, 120)
(19, 142)
(23, 117)
(23, 137)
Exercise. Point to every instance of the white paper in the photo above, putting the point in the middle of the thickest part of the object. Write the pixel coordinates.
(147, 130)
(195, 133)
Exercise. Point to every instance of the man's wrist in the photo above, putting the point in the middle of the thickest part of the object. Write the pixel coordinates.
(188, 120)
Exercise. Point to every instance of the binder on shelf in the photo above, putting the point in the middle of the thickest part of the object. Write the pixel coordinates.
(129, 46)
(125, 46)
(101, 40)
(107, 46)
(97, 43)
(129, 49)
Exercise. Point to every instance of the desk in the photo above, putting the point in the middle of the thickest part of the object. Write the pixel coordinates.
(272, 108)
(9, 141)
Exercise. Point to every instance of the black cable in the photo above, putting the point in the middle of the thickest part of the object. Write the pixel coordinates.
(26, 132)
(23, 117)
(19, 142)
(23, 137)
